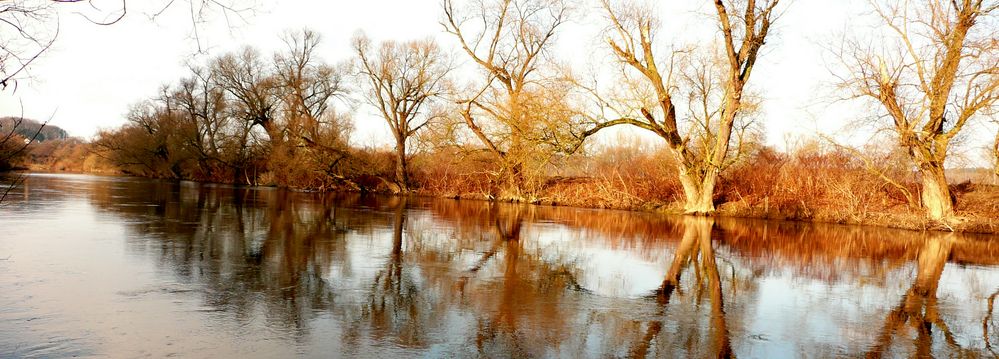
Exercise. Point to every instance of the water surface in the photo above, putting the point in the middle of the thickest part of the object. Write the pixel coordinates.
(124, 267)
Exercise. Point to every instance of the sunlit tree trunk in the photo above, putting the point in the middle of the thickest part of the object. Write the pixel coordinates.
(699, 192)
(935, 193)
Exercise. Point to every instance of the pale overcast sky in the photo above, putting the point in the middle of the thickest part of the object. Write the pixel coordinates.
(93, 73)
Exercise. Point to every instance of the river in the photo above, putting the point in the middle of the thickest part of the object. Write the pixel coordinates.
(121, 267)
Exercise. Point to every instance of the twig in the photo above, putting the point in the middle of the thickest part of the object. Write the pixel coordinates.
(17, 182)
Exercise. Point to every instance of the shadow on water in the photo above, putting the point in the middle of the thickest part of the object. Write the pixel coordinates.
(369, 275)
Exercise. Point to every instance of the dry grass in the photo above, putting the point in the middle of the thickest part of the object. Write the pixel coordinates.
(812, 183)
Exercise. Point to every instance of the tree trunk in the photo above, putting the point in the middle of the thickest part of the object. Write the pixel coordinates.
(699, 192)
(995, 160)
(401, 167)
(517, 180)
(936, 194)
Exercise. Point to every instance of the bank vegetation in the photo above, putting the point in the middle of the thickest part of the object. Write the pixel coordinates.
(501, 117)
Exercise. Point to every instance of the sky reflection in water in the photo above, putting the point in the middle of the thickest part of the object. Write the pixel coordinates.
(126, 267)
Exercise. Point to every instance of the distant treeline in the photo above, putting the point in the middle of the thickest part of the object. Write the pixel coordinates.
(517, 125)
(31, 129)
(16, 134)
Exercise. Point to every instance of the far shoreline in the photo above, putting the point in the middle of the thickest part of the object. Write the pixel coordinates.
(901, 221)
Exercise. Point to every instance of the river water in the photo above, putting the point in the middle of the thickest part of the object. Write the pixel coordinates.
(124, 267)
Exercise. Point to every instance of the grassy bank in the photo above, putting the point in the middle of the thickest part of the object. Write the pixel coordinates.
(911, 219)
(811, 183)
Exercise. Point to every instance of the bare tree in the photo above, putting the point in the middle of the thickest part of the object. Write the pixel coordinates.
(518, 109)
(935, 68)
(714, 84)
(313, 130)
(404, 82)
(306, 84)
(28, 28)
(205, 119)
(247, 79)
(23, 36)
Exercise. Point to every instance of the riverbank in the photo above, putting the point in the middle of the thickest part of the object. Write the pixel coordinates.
(975, 201)
(899, 218)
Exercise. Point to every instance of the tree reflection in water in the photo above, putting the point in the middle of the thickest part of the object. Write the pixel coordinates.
(695, 250)
(434, 277)
(919, 308)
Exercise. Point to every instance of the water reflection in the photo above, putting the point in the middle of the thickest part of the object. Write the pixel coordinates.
(284, 273)
(695, 250)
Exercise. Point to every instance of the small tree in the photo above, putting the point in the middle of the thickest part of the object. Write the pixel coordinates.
(404, 80)
(519, 109)
(934, 70)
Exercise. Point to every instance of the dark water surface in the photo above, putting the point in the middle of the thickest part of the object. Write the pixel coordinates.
(123, 267)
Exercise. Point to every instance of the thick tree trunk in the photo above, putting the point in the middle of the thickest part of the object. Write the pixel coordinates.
(936, 194)
(517, 180)
(401, 167)
(699, 193)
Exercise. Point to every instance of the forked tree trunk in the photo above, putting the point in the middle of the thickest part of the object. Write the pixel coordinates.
(936, 194)
(699, 193)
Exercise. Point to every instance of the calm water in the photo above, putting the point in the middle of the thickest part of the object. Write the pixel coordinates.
(122, 267)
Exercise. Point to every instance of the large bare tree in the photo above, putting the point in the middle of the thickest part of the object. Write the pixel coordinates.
(309, 127)
(246, 77)
(933, 68)
(404, 79)
(712, 78)
(518, 109)
(307, 85)
(203, 111)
